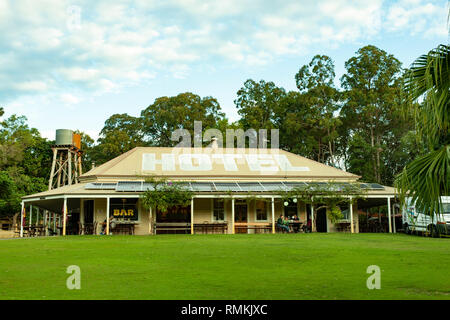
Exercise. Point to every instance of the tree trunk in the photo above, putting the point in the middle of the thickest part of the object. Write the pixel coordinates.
(378, 152)
(330, 147)
(318, 151)
(374, 162)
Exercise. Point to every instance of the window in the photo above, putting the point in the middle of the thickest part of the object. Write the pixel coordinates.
(345, 210)
(261, 210)
(218, 210)
(174, 214)
(290, 210)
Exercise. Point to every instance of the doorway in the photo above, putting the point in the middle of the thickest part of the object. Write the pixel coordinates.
(321, 223)
(73, 223)
(240, 215)
(88, 225)
(89, 211)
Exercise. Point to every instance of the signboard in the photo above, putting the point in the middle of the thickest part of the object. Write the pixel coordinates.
(124, 209)
(263, 163)
(123, 213)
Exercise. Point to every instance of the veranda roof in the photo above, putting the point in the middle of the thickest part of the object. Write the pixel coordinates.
(122, 188)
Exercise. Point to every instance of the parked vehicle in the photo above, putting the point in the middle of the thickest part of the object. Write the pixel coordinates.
(414, 221)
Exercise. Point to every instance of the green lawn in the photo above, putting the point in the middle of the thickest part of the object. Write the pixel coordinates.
(282, 266)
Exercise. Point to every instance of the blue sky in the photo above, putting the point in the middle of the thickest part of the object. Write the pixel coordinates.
(72, 64)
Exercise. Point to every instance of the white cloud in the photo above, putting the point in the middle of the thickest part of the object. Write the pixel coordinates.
(129, 42)
(231, 51)
(170, 50)
(34, 86)
(171, 30)
(258, 59)
(79, 74)
(418, 17)
(277, 43)
(68, 98)
(41, 39)
(179, 71)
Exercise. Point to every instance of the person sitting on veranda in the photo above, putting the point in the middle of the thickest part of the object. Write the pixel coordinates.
(281, 224)
(287, 222)
(103, 232)
(296, 226)
(308, 226)
(112, 225)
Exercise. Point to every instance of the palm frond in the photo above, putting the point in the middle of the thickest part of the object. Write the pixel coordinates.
(429, 79)
(426, 179)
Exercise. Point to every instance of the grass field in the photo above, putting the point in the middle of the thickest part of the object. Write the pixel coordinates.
(281, 266)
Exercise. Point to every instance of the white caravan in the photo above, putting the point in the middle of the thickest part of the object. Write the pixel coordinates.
(416, 221)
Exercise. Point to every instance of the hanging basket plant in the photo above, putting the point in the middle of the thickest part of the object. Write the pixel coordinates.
(335, 213)
(329, 196)
(163, 194)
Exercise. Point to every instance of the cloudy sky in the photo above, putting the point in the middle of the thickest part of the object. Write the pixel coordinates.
(72, 64)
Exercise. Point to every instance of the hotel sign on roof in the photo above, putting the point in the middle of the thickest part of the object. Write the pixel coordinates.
(207, 162)
(262, 163)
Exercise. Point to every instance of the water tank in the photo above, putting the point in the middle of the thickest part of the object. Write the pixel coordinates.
(77, 140)
(64, 137)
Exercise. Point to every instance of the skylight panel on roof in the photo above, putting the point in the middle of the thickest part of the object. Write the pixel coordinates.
(376, 186)
(273, 186)
(93, 186)
(109, 186)
(202, 186)
(251, 186)
(227, 186)
(100, 186)
(130, 186)
(295, 185)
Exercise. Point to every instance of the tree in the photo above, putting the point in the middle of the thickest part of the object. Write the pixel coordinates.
(23, 158)
(401, 145)
(37, 158)
(8, 195)
(372, 86)
(88, 148)
(164, 194)
(295, 120)
(258, 104)
(427, 177)
(318, 74)
(23, 147)
(22, 185)
(167, 114)
(120, 134)
(316, 82)
(15, 137)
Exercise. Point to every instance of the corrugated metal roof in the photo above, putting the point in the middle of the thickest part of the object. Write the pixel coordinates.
(127, 173)
(207, 162)
(102, 188)
(140, 186)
